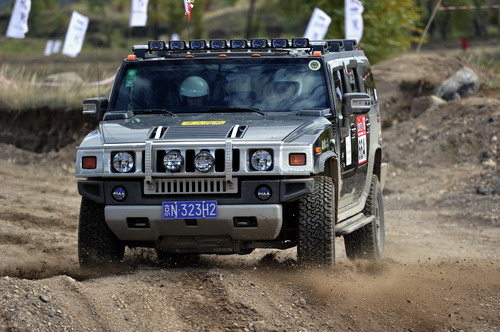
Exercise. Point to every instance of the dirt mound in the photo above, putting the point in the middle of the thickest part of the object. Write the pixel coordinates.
(43, 130)
(408, 76)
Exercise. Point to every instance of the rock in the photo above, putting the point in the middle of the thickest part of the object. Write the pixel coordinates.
(483, 191)
(423, 104)
(44, 298)
(489, 163)
(68, 78)
(261, 326)
(462, 84)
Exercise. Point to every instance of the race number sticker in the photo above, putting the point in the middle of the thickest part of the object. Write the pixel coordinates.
(361, 128)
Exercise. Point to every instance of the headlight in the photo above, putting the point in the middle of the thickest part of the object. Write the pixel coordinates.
(123, 162)
(204, 161)
(261, 160)
(173, 161)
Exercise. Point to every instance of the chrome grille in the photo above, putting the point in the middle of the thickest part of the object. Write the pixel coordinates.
(190, 186)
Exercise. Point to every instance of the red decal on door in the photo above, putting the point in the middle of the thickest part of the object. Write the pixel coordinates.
(361, 129)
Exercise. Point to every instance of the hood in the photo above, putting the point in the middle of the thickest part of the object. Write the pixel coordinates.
(213, 126)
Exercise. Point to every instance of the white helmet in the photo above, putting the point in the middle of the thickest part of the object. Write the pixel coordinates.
(194, 87)
(283, 80)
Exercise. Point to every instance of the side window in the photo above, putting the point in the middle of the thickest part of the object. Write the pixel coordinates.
(352, 74)
(340, 87)
(370, 86)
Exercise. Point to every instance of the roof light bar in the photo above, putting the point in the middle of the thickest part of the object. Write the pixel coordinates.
(218, 44)
(177, 45)
(280, 43)
(259, 43)
(199, 44)
(239, 43)
(300, 42)
(157, 45)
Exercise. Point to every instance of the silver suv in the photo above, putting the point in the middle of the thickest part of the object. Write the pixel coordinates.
(221, 147)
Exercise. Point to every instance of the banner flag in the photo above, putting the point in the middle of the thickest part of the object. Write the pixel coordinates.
(75, 34)
(18, 24)
(318, 25)
(188, 6)
(353, 19)
(139, 13)
(48, 47)
(56, 47)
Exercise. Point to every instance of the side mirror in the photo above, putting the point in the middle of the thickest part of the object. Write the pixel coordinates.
(355, 103)
(95, 107)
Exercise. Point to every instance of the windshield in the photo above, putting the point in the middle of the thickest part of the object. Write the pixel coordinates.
(228, 84)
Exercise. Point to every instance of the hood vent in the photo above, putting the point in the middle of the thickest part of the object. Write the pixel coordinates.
(197, 132)
(157, 132)
(237, 131)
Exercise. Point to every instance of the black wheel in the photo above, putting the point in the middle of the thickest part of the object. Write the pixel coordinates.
(368, 241)
(97, 245)
(316, 237)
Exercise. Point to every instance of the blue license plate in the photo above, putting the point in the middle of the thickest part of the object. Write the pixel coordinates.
(189, 210)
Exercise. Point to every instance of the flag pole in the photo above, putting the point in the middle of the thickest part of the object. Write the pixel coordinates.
(428, 25)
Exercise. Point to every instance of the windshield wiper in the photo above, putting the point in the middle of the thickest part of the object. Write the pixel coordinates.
(235, 109)
(155, 111)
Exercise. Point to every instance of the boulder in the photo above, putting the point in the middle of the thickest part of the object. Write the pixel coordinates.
(462, 84)
(422, 104)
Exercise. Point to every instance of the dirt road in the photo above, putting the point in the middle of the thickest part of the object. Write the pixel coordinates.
(441, 271)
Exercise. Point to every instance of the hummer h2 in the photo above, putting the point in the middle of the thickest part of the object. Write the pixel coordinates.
(221, 147)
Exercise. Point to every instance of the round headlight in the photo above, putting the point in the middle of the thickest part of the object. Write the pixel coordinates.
(263, 193)
(173, 161)
(119, 194)
(261, 160)
(204, 161)
(123, 162)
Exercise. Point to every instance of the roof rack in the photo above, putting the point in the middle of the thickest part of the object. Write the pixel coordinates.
(162, 48)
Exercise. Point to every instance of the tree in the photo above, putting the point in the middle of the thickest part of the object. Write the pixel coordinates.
(389, 25)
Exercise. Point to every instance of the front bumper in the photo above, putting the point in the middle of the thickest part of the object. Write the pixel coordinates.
(145, 223)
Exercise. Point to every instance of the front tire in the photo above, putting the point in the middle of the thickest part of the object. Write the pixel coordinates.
(316, 236)
(97, 245)
(368, 241)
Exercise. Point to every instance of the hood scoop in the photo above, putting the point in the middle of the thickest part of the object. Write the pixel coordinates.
(197, 132)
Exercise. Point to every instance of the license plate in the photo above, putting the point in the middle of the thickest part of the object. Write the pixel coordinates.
(189, 210)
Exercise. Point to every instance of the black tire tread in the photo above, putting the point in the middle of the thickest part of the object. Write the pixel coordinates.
(97, 244)
(316, 240)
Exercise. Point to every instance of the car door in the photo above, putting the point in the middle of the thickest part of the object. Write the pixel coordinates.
(347, 136)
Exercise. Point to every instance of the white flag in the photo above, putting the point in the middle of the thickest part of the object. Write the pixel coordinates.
(56, 47)
(139, 13)
(318, 25)
(48, 47)
(75, 34)
(353, 19)
(18, 25)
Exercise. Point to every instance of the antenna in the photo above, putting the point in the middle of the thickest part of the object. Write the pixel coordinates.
(98, 76)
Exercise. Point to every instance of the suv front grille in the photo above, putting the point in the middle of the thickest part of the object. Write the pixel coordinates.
(191, 186)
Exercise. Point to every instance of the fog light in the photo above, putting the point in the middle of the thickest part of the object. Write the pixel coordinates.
(204, 161)
(119, 194)
(263, 193)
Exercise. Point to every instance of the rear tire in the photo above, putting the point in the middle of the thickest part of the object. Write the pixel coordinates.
(368, 241)
(97, 245)
(316, 236)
